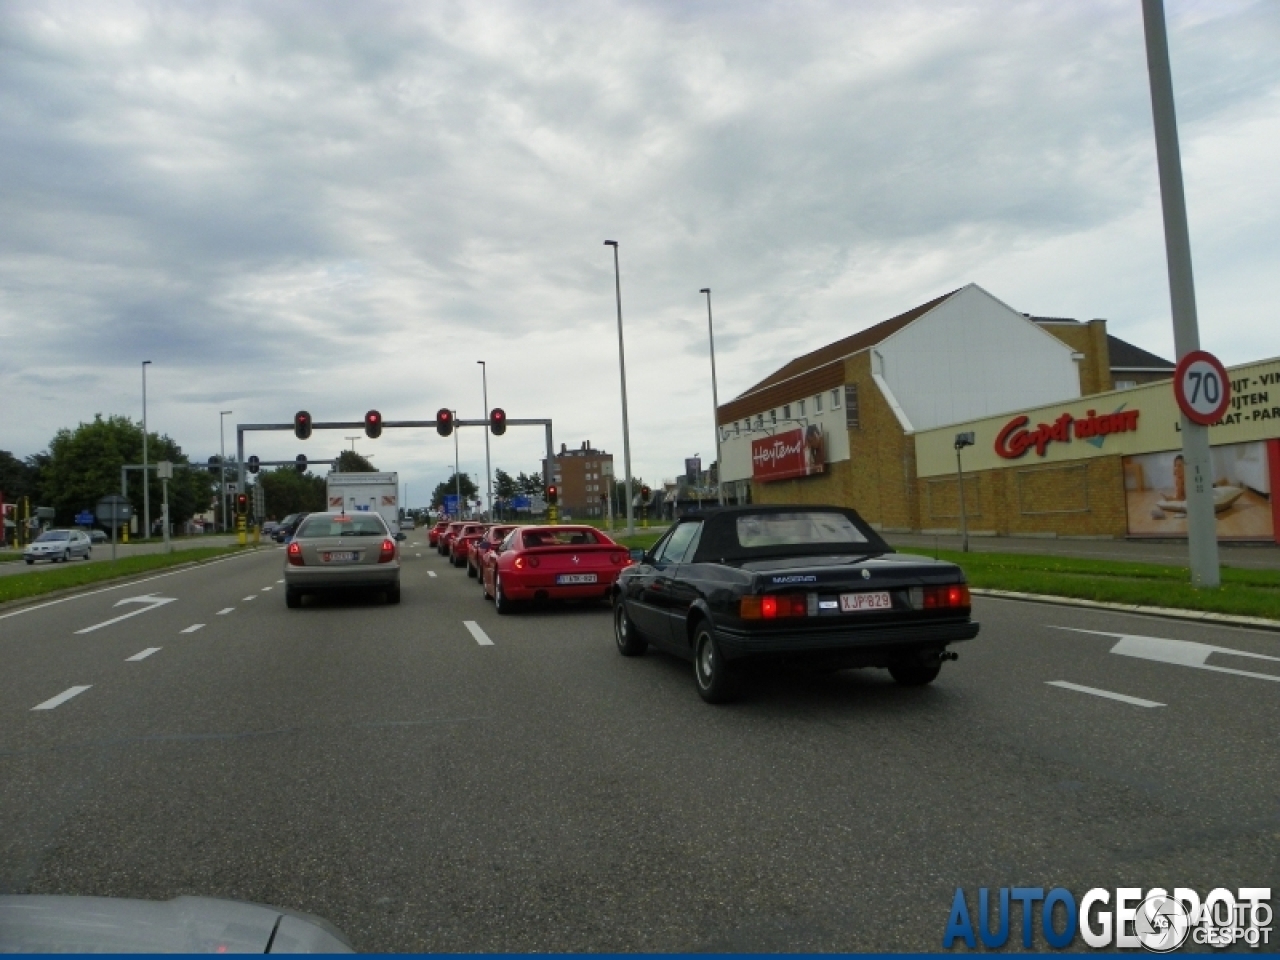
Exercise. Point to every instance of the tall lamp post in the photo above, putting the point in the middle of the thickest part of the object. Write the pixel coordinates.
(622, 368)
(488, 469)
(222, 461)
(715, 400)
(146, 476)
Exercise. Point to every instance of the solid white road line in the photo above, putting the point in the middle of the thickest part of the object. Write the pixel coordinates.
(192, 629)
(62, 698)
(1134, 701)
(224, 610)
(431, 573)
(252, 596)
(482, 638)
(143, 655)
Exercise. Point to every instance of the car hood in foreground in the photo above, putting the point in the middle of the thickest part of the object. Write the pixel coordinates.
(68, 924)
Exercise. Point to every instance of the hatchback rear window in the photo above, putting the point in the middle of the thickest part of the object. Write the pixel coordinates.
(349, 525)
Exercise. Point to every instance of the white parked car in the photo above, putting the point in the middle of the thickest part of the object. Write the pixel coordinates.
(55, 545)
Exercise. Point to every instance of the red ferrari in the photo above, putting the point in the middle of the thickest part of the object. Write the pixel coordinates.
(445, 540)
(462, 541)
(552, 563)
(433, 537)
(479, 547)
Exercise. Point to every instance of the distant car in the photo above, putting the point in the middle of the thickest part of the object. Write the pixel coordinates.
(287, 527)
(480, 546)
(552, 563)
(269, 527)
(407, 523)
(462, 541)
(445, 541)
(99, 536)
(813, 584)
(342, 551)
(55, 545)
(433, 535)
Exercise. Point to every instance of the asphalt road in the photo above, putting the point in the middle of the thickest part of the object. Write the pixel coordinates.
(386, 769)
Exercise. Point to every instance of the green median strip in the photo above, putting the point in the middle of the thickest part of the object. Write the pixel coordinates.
(37, 582)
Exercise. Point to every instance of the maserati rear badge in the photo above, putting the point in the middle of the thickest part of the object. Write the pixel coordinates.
(866, 574)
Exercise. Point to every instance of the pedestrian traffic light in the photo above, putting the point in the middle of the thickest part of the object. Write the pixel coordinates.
(498, 421)
(300, 463)
(253, 464)
(553, 494)
(444, 422)
(373, 424)
(302, 425)
(242, 504)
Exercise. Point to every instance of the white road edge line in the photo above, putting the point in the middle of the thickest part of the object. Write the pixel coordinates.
(224, 610)
(1133, 701)
(62, 698)
(482, 638)
(192, 629)
(142, 655)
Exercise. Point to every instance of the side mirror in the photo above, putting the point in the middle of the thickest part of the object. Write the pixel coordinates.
(637, 555)
(402, 536)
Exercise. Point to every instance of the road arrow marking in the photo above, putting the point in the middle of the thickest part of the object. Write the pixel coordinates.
(1181, 653)
(150, 600)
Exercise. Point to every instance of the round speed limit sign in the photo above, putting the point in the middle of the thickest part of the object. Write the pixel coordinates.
(1201, 385)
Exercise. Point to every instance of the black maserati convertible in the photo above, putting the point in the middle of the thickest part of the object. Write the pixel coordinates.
(813, 584)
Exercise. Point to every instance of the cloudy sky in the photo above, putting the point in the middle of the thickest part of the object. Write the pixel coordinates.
(342, 206)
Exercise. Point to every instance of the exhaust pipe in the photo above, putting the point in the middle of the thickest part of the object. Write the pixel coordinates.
(945, 655)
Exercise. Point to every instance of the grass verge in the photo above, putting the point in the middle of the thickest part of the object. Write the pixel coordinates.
(10, 556)
(1248, 593)
(46, 581)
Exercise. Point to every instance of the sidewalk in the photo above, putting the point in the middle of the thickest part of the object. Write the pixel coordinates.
(1171, 553)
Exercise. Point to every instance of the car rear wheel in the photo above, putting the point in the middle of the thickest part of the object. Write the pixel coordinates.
(30, 560)
(292, 598)
(630, 643)
(715, 677)
(915, 672)
(501, 602)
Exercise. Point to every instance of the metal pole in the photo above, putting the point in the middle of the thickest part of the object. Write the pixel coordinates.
(457, 477)
(146, 486)
(1202, 533)
(488, 468)
(715, 400)
(164, 486)
(222, 484)
(622, 369)
(964, 519)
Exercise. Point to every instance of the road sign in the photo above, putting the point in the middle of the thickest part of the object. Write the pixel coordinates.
(84, 518)
(451, 504)
(519, 503)
(1202, 387)
(114, 510)
(164, 470)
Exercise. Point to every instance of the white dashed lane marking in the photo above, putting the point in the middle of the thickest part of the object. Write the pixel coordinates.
(61, 698)
(192, 629)
(142, 655)
(431, 573)
(1123, 698)
(252, 596)
(224, 610)
(279, 581)
(482, 638)
(265, 589)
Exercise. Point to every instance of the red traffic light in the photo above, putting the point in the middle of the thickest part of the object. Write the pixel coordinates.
(553, 494)
(242, 504)
(644, 492)
(302, 425)
(444, 422)
(373, 424)
(498, 421)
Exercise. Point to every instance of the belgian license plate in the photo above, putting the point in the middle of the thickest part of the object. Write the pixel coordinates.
(576, 578)
(344, 556)
(867, 600)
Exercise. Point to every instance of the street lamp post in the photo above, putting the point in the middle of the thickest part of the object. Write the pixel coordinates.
(457, 477)
(715, 401)
(146, 495)
(622, 368)
(222, 463)
(353, 442)
(488, 469)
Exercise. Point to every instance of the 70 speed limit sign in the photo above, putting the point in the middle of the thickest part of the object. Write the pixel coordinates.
(1201, 386)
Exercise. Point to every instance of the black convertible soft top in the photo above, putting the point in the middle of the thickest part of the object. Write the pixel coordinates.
(785, 530)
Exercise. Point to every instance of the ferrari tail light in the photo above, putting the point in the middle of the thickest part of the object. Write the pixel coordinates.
(388, 551)
(533, 561)
(519, 563)
(949, 596)
(295, 554)
(773, 606)
(615, 558)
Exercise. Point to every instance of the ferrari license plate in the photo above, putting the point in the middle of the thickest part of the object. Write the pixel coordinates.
(576, 578)
(344, 556)
(869, 600)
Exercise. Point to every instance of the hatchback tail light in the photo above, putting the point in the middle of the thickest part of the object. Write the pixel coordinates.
(295, 554)
(949, 596)
(773, 606)
(388, 551)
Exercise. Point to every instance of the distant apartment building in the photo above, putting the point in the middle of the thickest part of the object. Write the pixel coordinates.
(585, 478)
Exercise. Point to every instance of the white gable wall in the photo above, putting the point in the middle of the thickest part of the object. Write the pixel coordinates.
(972, 356)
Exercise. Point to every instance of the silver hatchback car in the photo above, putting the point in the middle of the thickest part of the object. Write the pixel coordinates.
(342, 551)
(55, 545)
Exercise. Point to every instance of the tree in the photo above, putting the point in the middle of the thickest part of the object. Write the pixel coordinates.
(351, 462)
(450, 487)
(17, 479)
(504, 485)
(286, 491)
(531, 485)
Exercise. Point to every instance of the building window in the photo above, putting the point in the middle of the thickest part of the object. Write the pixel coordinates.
(1126, 384)
(736, 431)
(800, 405)
(835, 399)
(773, 416)
(817, 404)
(759, 421)
(851, 420)
(786, 411)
